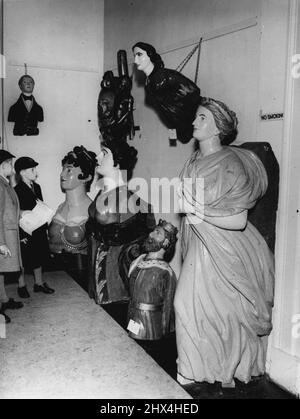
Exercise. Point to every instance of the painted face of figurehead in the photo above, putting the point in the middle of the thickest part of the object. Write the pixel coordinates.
(70, 177)
(204, 125)
(105, 162)
(142, 60)
(27, 84)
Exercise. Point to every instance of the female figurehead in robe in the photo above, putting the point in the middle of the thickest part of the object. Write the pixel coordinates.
(225, 291)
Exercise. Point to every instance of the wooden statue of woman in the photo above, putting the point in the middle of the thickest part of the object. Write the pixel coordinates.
(224, 297)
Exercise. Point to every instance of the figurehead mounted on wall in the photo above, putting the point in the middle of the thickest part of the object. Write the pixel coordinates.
(115, 103)
(78, 168)
(106, 102)
(226, 120)
(174, 97)
(26, 84)
(26, 112)
(146, 58)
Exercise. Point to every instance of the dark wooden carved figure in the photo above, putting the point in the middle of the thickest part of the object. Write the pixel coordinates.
(115, 104)
(173, 96)
(26, 112)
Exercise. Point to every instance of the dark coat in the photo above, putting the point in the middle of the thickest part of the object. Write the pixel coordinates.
(175, 98)
(35, 251)
(9, 227)
(25, 121)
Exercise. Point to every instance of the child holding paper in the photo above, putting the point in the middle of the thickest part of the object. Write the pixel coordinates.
(34, 248)
(10, 255)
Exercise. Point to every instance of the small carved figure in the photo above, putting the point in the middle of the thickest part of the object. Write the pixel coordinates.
(152, 285)
(26, 112)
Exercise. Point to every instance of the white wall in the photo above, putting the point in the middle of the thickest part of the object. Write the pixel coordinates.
(273, 59)
(61, 41)
(284, 345)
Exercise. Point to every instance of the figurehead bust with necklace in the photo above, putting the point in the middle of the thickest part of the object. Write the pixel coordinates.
(119, 221)
(67, 229)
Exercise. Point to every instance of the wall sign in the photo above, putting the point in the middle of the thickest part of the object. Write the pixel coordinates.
(271, 116)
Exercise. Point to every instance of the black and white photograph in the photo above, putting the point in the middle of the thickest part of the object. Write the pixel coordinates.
(149, 202)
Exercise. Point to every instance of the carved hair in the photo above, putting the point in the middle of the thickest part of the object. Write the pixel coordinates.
(86, 160)
(123, 155)
(152, 54)
(225, 119)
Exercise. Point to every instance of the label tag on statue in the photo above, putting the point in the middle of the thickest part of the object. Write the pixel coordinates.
(172, 134)
(133, 327)
(172, 137)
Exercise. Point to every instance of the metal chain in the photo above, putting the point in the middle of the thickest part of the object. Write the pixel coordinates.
(198, 60)
(184, 62)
